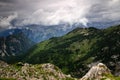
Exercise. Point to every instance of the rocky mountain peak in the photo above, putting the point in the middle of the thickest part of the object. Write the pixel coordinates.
(96, 72)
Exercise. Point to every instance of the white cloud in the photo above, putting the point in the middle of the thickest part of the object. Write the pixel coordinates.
(53, 12)
(75, 11)
(67, 11)
(5, 22)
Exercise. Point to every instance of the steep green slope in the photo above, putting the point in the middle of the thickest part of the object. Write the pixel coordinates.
(78, 49)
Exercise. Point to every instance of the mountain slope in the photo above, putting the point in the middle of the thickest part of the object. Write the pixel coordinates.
(13, 42)
(77, 50)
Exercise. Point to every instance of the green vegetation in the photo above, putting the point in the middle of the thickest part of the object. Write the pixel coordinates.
(110, 77)
(73, 53)
(80, 47)
(7, 79)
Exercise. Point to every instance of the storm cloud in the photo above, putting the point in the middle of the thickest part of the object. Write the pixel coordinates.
(54, 12)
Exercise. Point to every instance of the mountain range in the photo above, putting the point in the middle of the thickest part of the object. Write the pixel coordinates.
(74, 53)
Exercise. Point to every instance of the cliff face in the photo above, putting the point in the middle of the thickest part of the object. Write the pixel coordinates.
(14, 44)
(3, 48)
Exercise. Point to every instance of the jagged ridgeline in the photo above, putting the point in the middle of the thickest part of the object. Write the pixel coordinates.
(77, 50)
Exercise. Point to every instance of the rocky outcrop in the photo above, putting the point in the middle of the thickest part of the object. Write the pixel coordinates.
(97, 72)
(27, 71)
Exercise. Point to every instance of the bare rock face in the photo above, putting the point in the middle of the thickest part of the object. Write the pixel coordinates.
(97, 72)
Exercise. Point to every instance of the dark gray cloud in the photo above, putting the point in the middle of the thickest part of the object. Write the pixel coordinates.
(7, 7)
(7, 1)
(53, 12)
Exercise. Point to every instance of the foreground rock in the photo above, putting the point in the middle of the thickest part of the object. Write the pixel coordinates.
(26, 71)
(49, 71)
(97, 72)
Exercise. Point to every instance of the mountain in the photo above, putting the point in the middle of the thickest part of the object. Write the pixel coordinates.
(13, 42)
(76, 51)
(38, 33)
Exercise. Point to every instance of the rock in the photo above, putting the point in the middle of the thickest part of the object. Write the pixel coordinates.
(25, 71)
(3, 64)
(96, 72)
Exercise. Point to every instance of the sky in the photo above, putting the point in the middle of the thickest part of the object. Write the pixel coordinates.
(55, 12)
